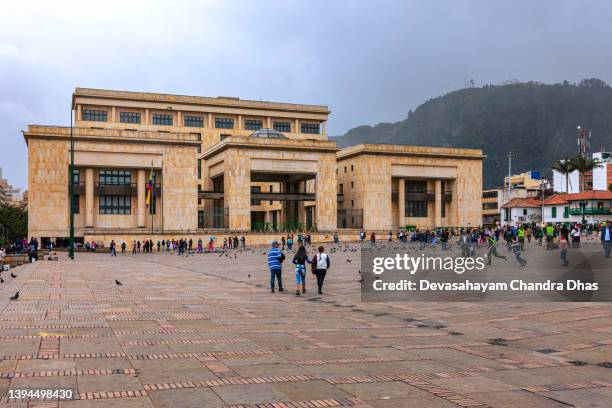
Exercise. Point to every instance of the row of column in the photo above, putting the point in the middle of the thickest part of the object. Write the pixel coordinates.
(89, 198)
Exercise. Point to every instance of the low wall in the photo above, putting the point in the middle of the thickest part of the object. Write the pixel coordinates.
(251, 238)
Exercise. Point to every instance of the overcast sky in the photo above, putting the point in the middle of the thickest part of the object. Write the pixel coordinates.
(369, 61)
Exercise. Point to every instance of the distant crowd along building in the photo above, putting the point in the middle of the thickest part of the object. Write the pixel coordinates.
(217, 165)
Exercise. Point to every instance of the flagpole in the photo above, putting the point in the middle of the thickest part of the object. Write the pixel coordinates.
(152, 198)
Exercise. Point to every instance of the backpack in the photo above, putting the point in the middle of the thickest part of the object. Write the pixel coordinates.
(322, 261)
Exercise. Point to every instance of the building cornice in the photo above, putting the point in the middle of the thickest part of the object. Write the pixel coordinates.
(110, 135)
(219, 101)
(406, 150)
(270, 144)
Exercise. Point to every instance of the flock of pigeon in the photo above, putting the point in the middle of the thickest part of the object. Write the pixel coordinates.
(16, 295)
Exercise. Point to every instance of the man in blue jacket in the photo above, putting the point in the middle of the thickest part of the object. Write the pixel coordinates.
(606, 239)
(275, 264)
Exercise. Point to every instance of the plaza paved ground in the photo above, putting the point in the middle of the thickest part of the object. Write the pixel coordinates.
(204, 331)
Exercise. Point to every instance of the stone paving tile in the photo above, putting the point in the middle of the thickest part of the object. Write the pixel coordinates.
(200, 332)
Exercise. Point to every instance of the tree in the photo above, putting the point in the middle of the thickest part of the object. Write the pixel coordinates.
(13, 223)
(565, 167)
(584, 165)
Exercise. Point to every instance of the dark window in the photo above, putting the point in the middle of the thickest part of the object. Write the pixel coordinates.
(310, 128)
(113, 177)
(199, 169)
(76, 176)
(554, 212)
(224, 123)
(345, 169)
(351, 167)
(489, 206)
(113, 204)
(163, 119)
(94, 115)
(76, 204)
(271, 190)
(199, 148)
(416, 186)
(416, 208)
(223, 137)
(201, 219)
(255, 189)
(341, 189)
(352, 184)
(524, 211)
(489, 194)
(252, 124)
(129, 117)
(282, 126)
(193, 121)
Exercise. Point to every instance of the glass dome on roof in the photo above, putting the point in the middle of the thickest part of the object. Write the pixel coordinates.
(268, 134)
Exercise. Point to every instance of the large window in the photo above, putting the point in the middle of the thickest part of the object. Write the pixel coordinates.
(129, 117)
(94, 115)
(76, 204)
(115, 204)
(115, 177)
(162, 119)
(252, 124)
(282, 126)
(224, 123)
(416, 208)
(310, 128)
(199, 169)
(193, 121)
(255, 189)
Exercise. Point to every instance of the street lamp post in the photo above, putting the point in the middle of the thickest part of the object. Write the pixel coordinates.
(583, 205)
(71, 187)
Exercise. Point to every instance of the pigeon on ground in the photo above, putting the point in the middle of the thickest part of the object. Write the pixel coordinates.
(13, 275)
(1, 280)
(15, 296)
(118, 283)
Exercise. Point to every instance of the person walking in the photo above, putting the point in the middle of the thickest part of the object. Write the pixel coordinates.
(112, 248)
(275, 264)
(563, 247)
(123, 246)
(299, 260)
(606, 239)
(134, 248)
(320, 264)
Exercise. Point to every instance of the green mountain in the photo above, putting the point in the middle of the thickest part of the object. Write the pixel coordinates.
(536, 121)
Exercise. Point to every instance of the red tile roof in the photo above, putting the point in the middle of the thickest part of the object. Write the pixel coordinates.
(557, 199)
(589, 195)
(523, 203)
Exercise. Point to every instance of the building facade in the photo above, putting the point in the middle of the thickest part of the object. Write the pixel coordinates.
(151, 165)
(396, 186)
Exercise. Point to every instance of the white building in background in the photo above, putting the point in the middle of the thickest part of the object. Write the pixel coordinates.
(519, 211)
(562, 208)
(573, 185)
(602, 176)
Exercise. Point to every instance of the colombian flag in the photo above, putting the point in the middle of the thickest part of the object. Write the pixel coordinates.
(149, 188)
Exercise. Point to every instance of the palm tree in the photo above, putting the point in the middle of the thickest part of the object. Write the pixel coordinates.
(565, 167)
(584, 165)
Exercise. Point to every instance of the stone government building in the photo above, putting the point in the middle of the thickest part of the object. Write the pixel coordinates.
(225, 165)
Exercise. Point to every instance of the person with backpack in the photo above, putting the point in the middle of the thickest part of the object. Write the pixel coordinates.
(299, 260)
(275, 264)
(320, 265)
